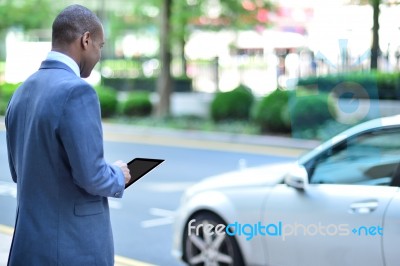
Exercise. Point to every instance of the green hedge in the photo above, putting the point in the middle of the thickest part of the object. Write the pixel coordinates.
(232, 105)
(372, 85)
(293, 112)
(309, 112)
(6, 92)
(271, 113)
(108, 101)
(137, 104)
(182, 84)
(3, 107)
(107, 97)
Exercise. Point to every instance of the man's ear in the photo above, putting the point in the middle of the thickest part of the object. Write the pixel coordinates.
(85, 40)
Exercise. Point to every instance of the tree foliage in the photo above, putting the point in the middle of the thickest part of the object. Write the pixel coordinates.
(28, 14)
(218, 14)
(187, 15)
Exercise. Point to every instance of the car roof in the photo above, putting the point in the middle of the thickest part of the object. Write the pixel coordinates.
(383, 122)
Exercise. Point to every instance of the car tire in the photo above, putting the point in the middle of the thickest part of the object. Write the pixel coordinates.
(209, 249)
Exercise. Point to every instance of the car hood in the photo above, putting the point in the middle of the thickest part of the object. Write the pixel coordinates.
(266, 175)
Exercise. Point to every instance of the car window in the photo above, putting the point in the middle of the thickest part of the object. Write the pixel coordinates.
(370, 158)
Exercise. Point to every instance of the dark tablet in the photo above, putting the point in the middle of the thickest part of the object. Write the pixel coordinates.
(138, 167)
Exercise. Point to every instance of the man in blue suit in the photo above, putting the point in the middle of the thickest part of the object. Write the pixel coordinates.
(55, 152)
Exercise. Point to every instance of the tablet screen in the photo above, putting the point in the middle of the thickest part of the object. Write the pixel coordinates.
(138, 167)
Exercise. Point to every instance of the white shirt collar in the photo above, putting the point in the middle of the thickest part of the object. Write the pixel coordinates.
(57, 56)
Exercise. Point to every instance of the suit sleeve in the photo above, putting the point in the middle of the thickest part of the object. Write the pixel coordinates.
(81, 133)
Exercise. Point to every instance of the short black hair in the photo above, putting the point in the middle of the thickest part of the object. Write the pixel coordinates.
(72, 22)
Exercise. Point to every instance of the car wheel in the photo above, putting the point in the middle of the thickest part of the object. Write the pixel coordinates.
(209, 248)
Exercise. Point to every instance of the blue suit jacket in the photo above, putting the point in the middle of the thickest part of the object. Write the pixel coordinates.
(55, 150)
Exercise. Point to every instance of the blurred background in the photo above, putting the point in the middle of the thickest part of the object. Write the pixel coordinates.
(277, 75)
(194, 60)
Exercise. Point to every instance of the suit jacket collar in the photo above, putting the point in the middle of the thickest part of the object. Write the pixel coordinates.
(53, 64)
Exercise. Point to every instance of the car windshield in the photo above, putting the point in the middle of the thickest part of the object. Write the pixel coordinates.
(369, 158)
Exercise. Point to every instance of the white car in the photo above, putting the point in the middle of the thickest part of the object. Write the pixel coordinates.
(339, 204)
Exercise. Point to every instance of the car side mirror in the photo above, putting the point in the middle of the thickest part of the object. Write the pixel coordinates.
(297, 177)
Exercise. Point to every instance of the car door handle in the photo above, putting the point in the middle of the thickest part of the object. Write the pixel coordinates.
(364, 207)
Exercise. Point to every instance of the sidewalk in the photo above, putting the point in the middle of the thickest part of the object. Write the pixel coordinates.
(202, 136)
(275, 145)
(265, 144)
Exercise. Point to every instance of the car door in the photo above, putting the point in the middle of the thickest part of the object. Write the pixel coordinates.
(391, 224)
(337, 219)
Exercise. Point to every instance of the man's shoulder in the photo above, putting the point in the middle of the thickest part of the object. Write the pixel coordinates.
(55, 77)
(77, 85)
(57, 82)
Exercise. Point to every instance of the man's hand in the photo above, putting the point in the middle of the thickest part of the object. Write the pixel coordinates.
(125, 170)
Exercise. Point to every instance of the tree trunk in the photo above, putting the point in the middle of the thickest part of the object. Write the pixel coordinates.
(375, 50)
(164, 83)
(183, 57)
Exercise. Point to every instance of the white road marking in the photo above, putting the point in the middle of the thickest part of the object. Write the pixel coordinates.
(166, 217)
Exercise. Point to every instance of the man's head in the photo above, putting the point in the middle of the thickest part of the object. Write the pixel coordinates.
(78, 32)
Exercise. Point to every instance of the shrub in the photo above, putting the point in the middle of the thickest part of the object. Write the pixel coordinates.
(309, 112)
(6, 92)
(3, 107)
(137, 104)
(108, 101)
(271, 112)
(376, 85)
(232, 105)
